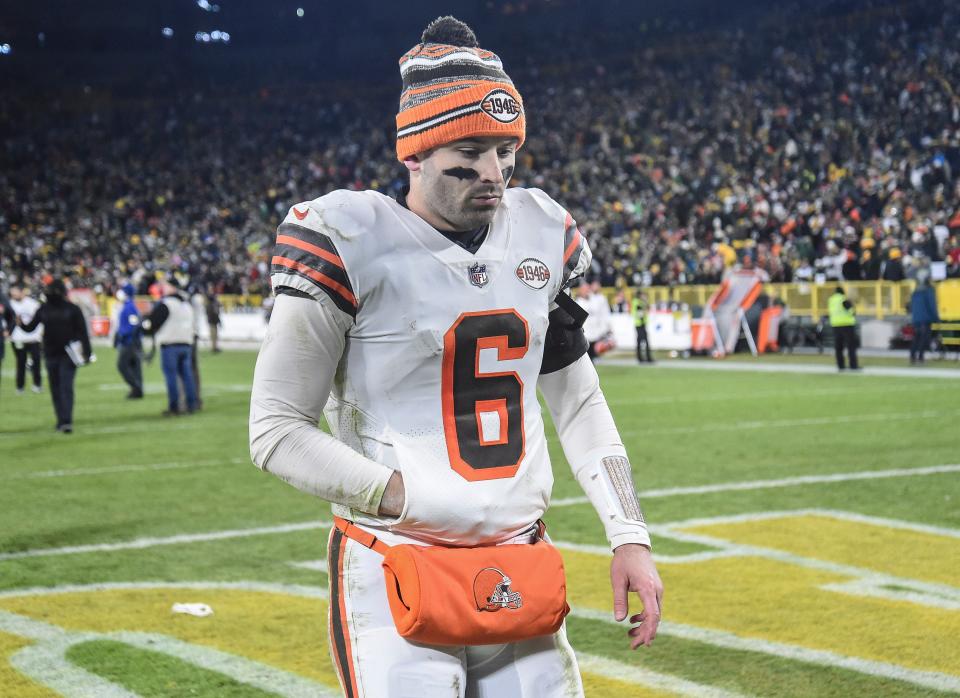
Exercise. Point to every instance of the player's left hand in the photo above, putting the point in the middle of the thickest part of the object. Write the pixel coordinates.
(632, 569)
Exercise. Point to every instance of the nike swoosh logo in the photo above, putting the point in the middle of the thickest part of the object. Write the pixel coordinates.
(300, 214)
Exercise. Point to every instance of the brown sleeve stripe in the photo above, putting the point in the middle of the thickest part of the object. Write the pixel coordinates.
(319, 264)
(311, 248)
(340, 294)
(308, 235)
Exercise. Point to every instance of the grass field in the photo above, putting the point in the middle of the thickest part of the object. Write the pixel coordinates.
(807, 529)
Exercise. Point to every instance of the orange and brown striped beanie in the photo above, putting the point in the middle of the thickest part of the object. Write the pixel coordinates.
(454, 89)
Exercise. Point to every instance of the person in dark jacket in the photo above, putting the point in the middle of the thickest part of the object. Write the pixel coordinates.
(63, 323)
(129, 343)
(923, 311)
(7, 322)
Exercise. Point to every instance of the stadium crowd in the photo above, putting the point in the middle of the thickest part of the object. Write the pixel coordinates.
(810, 144)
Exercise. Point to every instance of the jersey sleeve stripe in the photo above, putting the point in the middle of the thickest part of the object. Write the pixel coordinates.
(308, 235)
(337, 291)
(295, 254)
(575, 242)
(311, 248)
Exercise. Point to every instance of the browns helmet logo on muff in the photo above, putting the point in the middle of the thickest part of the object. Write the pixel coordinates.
(501, 105)
(491, 590)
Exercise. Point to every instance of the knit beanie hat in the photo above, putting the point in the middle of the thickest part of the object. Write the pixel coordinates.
(453, 89)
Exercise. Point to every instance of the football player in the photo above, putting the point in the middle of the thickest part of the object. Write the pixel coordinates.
(422, 327)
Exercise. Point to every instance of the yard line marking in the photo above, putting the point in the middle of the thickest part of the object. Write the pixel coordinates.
(829, 369)
(782, 482)
(620, 671)
(312, 565)
(726, 396)
(832, 513)
(125, 469)
(869, 588)
(929, 590)
(46, 662)
(804, 422)
(141, 543)
(246, 671)
(301, 590)
(718, 638)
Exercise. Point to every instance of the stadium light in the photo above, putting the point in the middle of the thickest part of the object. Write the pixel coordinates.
(6, 49)
(215, 36)
(167, 32)
(207, 6)
(299, 12)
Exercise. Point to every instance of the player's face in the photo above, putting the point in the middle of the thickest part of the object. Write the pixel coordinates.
(462, 183)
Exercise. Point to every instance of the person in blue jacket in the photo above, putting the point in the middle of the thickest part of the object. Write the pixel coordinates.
(923, 309)
(129, 344)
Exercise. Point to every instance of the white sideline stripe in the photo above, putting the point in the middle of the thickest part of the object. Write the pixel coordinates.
(301, 590)
(619, 671)
(181, 426)
(125, 469)
(938, 681)
(832, 513)
(729, 396)
(718, 638)
(46, 662)
(140, 543)
(805, 422)
(866, 575)
(682, 559)
(246, 671)
(870, 589)
(830, 369)
(312, 565)
(782, 482)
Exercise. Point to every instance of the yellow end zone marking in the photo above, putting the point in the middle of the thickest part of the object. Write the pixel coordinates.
(784, 603)
(281, 630)
(903, 553)
(12, 681)
(290, 635)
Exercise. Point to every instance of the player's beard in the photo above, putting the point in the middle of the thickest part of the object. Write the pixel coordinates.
(454, 201)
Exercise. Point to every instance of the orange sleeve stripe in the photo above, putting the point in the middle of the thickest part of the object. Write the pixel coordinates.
(313, 249)
(318, 277)
(572, 246)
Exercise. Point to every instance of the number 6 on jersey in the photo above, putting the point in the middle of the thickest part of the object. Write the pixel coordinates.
(476, 404)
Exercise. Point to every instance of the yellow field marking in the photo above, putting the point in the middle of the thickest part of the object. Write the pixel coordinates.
(910, 554)
(779, 601)
(12, 682)
(598, 687)
(284, 631)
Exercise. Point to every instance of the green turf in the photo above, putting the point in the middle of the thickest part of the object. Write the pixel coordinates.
(168, 676)
(682, 428)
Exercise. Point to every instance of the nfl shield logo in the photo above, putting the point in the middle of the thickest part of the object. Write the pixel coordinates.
(478, 274)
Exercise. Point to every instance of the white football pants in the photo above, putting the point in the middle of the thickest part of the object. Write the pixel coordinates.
(373, 661)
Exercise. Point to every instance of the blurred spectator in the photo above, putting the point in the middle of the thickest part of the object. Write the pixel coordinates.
(128, 341)
(26, 345)
(172, 323)
(7, 321)
(923, 312)
(596, 327)
(843, 320)
(213, 318)
(640, 309)
(63, 323)
(794, 141)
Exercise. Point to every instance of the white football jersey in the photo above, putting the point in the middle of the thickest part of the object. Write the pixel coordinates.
(439, 375)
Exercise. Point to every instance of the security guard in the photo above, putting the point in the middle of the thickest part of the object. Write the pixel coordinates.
(843, 320)
(640, 321)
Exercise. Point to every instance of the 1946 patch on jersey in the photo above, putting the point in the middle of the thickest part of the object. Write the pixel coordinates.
(533, 273)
